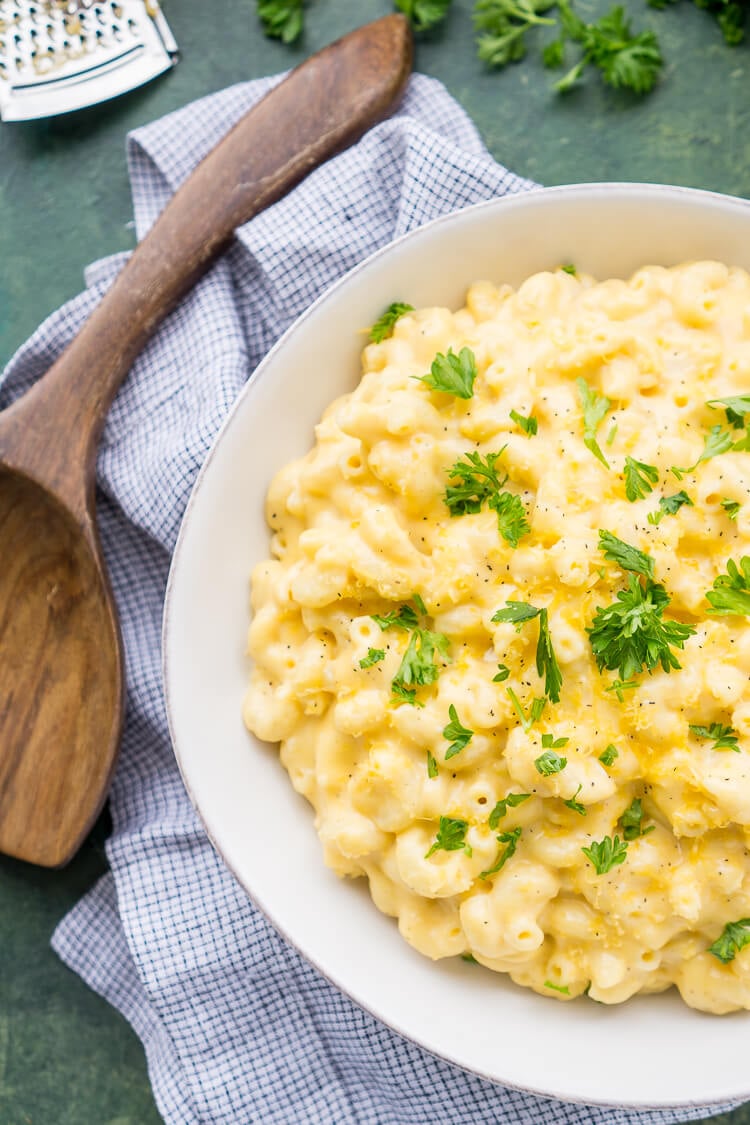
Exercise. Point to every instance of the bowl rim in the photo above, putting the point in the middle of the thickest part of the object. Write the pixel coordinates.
(523, 198)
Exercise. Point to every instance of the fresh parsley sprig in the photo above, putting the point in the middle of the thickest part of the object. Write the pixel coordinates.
(606, 853)
(733, 938)
(383, 326)
(546, 662)
(374, 656)
(452, 374)
(716, 441)
(504, 24)
(669, 506)
(510, 839)
(730, 594)
(631, 634)
(419, 664)
(595, 407)
(478, 482)
(624, 60)
(456, 733)
(512, 801)
(451, 836)
(723, 737)
(640, 479)
(631, 821)
(423, 15)
(282, 19)
(625, 555)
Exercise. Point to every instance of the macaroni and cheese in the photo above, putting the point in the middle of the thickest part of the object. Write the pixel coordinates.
(503, 640)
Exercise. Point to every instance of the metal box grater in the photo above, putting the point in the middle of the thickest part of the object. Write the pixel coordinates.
(61, 55)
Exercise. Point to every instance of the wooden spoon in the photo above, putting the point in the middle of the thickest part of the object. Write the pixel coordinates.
(61, 666)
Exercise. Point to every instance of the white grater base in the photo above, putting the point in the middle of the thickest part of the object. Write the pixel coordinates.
(60, 55)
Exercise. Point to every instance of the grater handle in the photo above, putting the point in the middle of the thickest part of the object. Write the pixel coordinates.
(322, 107)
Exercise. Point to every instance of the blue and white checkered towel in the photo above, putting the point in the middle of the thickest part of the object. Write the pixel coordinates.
(237, 1027)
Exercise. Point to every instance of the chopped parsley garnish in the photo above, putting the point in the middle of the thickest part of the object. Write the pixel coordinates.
(549, 742)
(510, 839)
(503, 672)
(458, 735)
(535, 711)
(723, 737)
(606, 854)
(630, 821)
(595, 406)
(452, 374)
(281, 19)
(731, 591)
(383, 326)
(432, 766)
(512, 520)
(405, 695)
(608, 756)
(734, 937)
(546, 662)
(732, 508)
(626, 557)
(405, 618)
(619, 687)
(478, 481)
(715, 442)
(374, 656)
(549, 763)
(570, 268)
(557, 987)
(530, 425)
(631, 633)
(419, 664)
(736, 407)
(640, 479)
(575, 805)
(423, 15)
(612, 434)
(669, 506)
(510, 802)
(451, 836)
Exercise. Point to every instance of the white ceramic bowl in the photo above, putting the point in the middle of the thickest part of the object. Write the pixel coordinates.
(651, 1051)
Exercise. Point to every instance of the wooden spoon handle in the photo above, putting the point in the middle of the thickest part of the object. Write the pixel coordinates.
(323, 106)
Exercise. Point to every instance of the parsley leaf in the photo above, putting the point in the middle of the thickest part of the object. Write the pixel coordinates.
(625, 61)
(459, 736)
(640, 479)
(732, 508)
(736, 407)
(731, 591)
(619, 687)
(451, 836)
(281, 19)
(374, 656)
(419, 663)
(715, 442)
(510, 802)
(549, 763)
(516, 613)
(595, 406)
(432, 766)
(405, 695)
(549, 742)
(557, 987)
(510, 839)
(479, 481)
(626, 557)
(630, 821)
(383, 326)
(423, 15)
(608, 756)
(606, 854)
(535, 711)
(570, 268)
(733, 938)
(724, 738)
(575, 805)
(503, 672)
(404, 618)
(530, 425)
(453, 374)
(505, 24)
(631, 633)
(669, 506)
(512, 520)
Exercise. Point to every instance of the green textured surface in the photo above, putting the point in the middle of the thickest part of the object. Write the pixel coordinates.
(65, 1057)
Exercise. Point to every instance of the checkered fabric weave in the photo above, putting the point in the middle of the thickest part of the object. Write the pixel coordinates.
(237, 1027)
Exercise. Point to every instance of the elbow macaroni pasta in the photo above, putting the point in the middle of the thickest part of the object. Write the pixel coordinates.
(360, 526)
